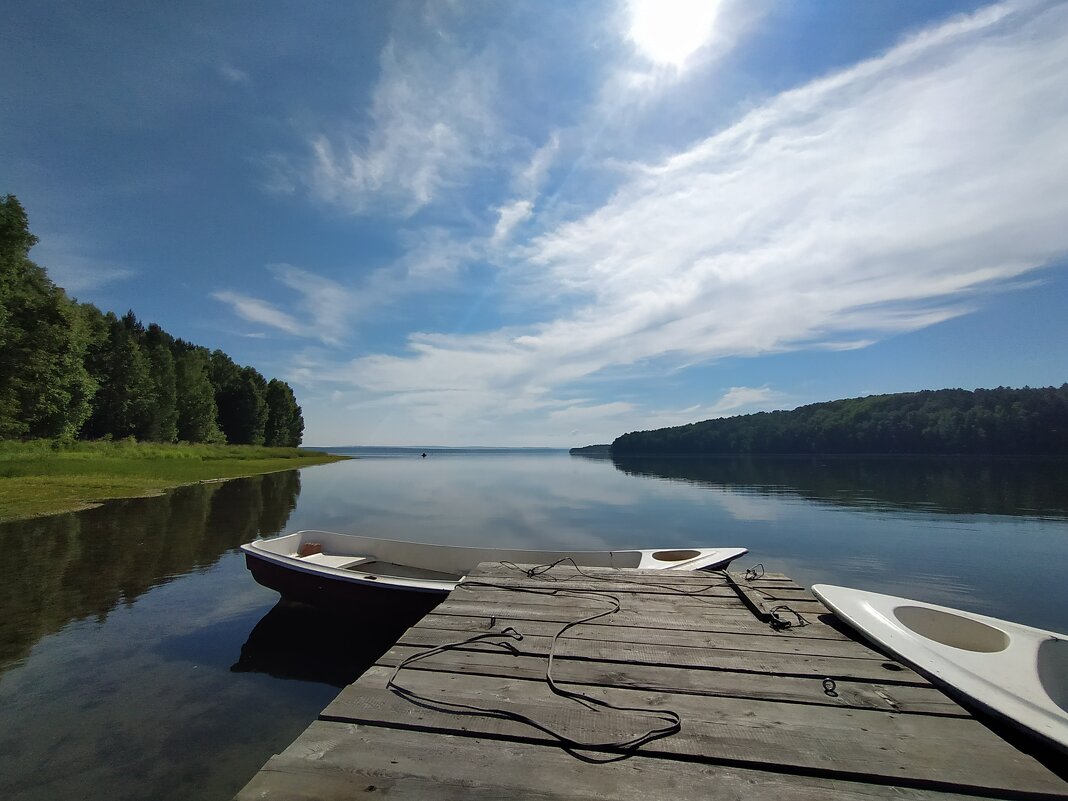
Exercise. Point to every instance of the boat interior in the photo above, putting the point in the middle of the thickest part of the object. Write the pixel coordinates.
(377, 567)
(426, 561)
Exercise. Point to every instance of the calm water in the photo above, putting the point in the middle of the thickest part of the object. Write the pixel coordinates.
(138, 660)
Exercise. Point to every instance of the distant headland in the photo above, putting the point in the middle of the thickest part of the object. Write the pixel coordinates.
(1000, 421)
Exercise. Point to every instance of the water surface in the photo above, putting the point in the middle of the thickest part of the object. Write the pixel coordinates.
(139, 660)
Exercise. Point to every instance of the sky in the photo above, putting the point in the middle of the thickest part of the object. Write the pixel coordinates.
(550, 223)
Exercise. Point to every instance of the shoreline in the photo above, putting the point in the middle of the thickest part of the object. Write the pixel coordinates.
(36, 484)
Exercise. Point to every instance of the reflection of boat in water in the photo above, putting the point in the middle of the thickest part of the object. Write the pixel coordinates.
(1017, 672)
(345, 571)
(296, 641)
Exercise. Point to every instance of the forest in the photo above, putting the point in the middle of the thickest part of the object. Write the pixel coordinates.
(1000, 421)
(70, 371)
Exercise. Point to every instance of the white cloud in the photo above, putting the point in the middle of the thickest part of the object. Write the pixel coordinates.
(233, 75)
(429, 124)
(744, 400)
(323, 309)
(327, 307)
(532, 176)
(878, 200)
(509, 217)
(259, 311)
(528, 184)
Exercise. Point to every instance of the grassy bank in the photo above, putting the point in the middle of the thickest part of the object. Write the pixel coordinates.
(44, 477)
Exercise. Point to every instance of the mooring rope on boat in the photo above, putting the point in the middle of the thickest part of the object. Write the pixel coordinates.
(671, 721)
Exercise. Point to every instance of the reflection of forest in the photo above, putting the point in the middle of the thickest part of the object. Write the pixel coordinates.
(67, 567)
(961, 485)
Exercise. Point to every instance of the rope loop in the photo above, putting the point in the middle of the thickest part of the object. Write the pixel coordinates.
(665, 722)
(779, 623)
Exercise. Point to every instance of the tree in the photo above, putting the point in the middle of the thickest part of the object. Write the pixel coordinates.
(123, 404)
(44, 387)
(241, 397)
(285, 425)
(195, 397)
(163, 415)
(162, 424)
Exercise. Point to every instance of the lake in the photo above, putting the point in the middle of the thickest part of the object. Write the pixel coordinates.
(139, 660)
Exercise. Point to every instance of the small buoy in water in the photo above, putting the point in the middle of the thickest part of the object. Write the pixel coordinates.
(424, 455)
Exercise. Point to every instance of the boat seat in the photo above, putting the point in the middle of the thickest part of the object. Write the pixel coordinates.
(341, 561)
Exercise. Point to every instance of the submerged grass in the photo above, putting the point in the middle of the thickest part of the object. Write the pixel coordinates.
(43, 477)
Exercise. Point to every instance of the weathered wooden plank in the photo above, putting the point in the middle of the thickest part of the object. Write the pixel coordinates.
(681, 578)
(564, 569)
(765, 606)
(336, 761)
(682, 619)
(878, 670)
(762, 713)
(707, 591)
(756, 639)
(947, 753)
(566, 572)
(636, 602)
(906, 698)
(586, 598)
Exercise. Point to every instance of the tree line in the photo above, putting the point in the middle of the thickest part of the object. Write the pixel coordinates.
(69, 370)
(949, 421)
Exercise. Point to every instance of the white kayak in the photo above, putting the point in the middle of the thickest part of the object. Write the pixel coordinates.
(1017, 672)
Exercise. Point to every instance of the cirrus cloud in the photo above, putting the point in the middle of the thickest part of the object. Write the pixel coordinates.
(881, 199)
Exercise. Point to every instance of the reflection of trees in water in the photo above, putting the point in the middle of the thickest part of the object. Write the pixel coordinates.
(67, 567)
(961, 485)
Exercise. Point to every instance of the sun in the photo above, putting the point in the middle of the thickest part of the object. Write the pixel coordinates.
(668, 32)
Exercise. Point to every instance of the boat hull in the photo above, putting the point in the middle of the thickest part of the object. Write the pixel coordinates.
(376, 605)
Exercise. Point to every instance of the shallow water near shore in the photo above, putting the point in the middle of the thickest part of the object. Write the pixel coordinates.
(139, 660)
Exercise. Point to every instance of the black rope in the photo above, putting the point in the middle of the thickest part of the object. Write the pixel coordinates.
(778, 622)
(754, 572)
(671, 722)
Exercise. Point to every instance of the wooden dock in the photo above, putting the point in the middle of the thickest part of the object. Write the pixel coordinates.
(805, 712)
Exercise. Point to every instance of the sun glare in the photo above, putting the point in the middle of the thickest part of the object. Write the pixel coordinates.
(668, 32)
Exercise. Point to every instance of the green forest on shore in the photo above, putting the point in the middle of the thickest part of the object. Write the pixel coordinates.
(70, 371)
(998, 421)
(95, 406)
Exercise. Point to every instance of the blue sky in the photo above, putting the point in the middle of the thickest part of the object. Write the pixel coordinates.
(551, 223)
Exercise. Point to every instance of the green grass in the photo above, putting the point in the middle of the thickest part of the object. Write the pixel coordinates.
(43, 477)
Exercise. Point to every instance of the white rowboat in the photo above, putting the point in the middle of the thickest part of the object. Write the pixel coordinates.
(1017, 672)
(349, 571)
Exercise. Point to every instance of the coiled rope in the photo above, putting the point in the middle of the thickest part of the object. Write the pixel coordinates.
(670, 721)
